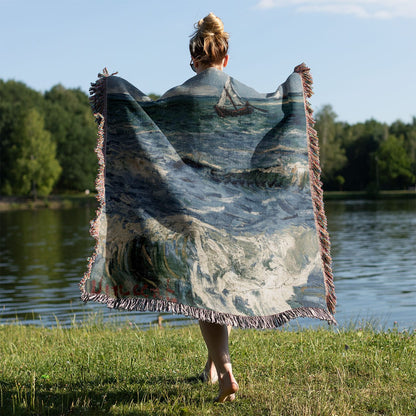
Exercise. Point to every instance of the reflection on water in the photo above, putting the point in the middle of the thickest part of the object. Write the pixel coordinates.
(43, 257)
(374, 260)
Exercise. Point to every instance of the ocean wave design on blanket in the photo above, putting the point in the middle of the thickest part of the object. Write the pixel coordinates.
(211, 211)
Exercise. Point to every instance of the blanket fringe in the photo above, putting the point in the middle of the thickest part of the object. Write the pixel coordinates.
(316, 188)
(245, 322)
(98, 106)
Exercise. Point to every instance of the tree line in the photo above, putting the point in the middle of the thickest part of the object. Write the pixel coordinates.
(47, 140)
(369, 156)
(47, 143)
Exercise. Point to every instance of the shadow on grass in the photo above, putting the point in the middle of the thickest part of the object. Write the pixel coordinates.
(99, 396)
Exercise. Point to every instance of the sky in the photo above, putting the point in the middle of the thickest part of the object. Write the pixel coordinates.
(361, 53)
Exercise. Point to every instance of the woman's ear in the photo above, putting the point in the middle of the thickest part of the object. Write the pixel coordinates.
(225, 61)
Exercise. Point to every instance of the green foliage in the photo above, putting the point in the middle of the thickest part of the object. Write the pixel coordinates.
(71, 123)
(153, 96)
(394, 163)
(35, 169)
(408, 134)
(332, 155)
(14, 92)
(365, 156)
(16, 99)
(71, 134)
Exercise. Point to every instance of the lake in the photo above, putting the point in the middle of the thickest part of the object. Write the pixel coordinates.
(43, 256)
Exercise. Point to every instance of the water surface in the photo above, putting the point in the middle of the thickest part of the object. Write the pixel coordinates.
(43, 257)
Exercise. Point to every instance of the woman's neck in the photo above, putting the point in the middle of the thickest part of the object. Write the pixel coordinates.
(202, 68)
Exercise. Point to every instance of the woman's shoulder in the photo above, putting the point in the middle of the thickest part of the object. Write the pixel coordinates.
(208, 83)
(211, 82)
(245, 91)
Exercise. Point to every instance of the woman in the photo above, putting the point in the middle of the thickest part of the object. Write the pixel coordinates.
(209, 49)
(206, 203)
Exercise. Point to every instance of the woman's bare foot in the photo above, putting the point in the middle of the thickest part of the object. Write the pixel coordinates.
(228, 388)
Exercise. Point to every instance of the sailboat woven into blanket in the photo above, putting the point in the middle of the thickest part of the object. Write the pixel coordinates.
(210, 202)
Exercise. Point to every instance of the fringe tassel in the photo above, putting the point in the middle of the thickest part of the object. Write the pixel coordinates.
(316, 188)
(98, 104)
(255, 322)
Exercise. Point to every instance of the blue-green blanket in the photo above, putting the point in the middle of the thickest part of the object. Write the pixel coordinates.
(210, 202)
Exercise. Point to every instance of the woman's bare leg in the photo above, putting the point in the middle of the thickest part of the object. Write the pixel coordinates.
(216, 339)
(209, 374)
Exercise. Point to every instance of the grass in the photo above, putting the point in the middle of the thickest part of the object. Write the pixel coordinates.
(104, 369)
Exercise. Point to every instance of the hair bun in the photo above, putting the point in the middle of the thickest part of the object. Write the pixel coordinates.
(211, 25)
(209, 43)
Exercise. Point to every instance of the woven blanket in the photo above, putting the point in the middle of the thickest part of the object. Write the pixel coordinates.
(210, 202)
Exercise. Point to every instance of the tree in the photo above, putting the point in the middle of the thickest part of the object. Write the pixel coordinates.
(394, 164)
(35, 167)
(332, 154)
(71, 123)
(8, 119)
(361, 142)
(408, 133)
(16, 99)
(153, 96)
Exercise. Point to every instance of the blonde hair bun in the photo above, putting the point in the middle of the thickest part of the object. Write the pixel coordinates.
(211, 25)
(209, 42)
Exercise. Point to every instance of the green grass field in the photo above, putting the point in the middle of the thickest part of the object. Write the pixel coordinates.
(109, 369)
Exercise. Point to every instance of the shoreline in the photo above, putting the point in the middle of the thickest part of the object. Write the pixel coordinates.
(61, 201)
(344, 195)
(67, 201)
